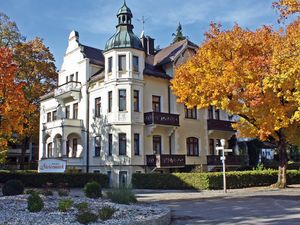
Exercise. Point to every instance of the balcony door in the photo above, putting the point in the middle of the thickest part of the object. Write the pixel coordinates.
(156, 144)
(156, 103)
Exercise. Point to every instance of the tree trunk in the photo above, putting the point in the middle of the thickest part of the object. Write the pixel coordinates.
(282, 168)
(23, 152)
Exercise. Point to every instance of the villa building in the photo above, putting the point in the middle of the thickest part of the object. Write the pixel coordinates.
(113, 111)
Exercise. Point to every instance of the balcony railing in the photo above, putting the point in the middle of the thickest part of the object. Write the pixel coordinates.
(222, 125)
(230, 160)
(67, 87)
(166, 161)
(161, 118)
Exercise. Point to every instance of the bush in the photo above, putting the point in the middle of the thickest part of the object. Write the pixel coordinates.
(13, 187)
(82, 206)
(47, 192)
(212, 181)
(92, 190)
(65, 204)
(35, 203)
(122, 196)
(38, 180)
(31, 191)
(86, 217)
(63, 192)
(106, 212)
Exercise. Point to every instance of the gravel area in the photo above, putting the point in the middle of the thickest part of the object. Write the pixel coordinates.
(13, 211)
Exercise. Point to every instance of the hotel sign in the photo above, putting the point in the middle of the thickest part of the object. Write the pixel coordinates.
(52, 166)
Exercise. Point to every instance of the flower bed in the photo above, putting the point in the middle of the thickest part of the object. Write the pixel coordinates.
(13, 211)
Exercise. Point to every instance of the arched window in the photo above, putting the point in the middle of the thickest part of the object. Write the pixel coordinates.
(192, 146)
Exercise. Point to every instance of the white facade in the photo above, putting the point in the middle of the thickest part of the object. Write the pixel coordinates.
(113, 112)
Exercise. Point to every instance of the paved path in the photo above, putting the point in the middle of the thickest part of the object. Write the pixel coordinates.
(242, 206)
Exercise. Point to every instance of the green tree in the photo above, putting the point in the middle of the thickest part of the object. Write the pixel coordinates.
(179, 35)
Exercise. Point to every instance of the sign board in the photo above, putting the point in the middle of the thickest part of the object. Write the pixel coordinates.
(52, 166)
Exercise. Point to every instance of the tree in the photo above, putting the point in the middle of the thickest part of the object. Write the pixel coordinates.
(287, 8)
(178, 36)
(36, 69)
(13, 104)
(252, 74)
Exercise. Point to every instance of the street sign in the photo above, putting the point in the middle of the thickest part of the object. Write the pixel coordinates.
(227, 150)
(219, 148)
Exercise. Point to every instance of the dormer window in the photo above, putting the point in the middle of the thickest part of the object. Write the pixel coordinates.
(122, 62)
(135, 63)
(71, 77)
(110, 64)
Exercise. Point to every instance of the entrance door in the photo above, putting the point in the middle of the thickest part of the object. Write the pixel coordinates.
(123, 179)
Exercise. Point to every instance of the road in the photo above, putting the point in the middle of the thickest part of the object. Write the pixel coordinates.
(243, 206)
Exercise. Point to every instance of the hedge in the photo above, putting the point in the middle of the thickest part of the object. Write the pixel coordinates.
(211, 181)
(31, 179)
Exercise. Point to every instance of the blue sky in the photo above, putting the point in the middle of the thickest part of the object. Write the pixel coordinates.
(95, 20)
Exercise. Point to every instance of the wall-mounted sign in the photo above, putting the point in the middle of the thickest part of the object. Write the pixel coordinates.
(52, 166)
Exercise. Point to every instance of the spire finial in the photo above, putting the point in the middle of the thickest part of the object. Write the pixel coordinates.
(143, 21)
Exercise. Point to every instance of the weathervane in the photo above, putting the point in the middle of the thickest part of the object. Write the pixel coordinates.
(143, 21)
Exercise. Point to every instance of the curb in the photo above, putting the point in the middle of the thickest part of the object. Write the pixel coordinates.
(164, 219)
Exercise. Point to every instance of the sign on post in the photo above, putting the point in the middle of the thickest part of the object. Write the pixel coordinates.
(52, 166)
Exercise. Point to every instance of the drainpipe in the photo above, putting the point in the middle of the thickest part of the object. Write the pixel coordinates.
(87, 128)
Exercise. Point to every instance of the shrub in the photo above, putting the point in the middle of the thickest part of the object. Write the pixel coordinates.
(32, 191)
(201, 181)
(92, 190)
(122, 195)
(86, 217)
(65, 204)
(35, 203)
(82, 206)
(63, 192)
(37, 180)
(106, 212)
(13, 187)
(47, 192)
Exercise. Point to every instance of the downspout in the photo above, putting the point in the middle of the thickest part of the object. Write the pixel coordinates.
(88, 128)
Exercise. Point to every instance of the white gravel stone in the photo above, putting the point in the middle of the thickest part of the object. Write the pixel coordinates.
(13, 211)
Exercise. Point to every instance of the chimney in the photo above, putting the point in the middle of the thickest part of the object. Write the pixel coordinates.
(148, 44)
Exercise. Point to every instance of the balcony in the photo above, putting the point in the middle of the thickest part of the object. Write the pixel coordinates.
(63, 122)
(161, 118)
(221, 125)
(70, 89)
(214, 160)
(166, 161)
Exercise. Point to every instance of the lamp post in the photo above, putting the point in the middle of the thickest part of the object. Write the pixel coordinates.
(222, 148)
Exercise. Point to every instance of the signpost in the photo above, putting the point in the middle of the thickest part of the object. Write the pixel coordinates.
(223, 158)
(52, 166)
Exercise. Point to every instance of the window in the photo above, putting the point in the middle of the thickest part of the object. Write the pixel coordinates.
(75, 111)
(136, 144)
(211, 147)
(135, 63)
(54, 115)
(67, 148)
(136, 101)
(49, 117)
(97, 107)
(155, 103)
(192, 146)
(49, 147)
(217, 114)
(123, 179)
(96, 171)
(122, 62)
(97, 146)
(110, 64)
(156, 144)
(110, 144)
(190, 113)
(67, 79)
(210, 112)
(67, 112)
(122, 144)
(71, 77)
(74, 152)
(122, 100)
(109, 101)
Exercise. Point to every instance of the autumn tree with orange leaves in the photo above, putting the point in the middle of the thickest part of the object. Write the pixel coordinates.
(252, 74)
(13, 104)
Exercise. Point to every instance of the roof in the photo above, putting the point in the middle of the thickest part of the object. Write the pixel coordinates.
(98, 75)
(124, 10)
(95, 55)
(151, 70)
(171, 52)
